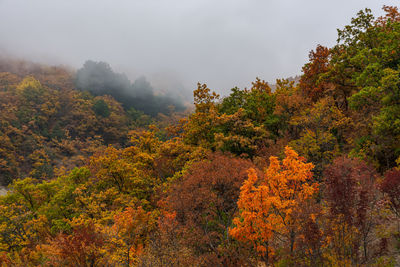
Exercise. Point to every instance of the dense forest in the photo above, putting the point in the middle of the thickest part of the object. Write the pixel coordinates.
(104, 172)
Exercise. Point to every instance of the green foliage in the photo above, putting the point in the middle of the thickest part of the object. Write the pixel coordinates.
(101, 109)
(241, 123)
(233, 102)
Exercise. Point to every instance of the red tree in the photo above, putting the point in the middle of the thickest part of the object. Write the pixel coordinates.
(205, 202)
(351, 195)
(391, 187)
(310, 81)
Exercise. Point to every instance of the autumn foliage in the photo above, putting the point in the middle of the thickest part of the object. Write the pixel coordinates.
(268, 206)
(305, 172)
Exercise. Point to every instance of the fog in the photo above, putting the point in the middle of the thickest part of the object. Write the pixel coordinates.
(100, 79)
(175, 44)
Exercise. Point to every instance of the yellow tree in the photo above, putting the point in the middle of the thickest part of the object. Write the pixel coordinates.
(200, 127)
(129, 234)
(268, 206)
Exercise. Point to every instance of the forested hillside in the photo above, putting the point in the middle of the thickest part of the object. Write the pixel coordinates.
(48, 126)
(307, 174)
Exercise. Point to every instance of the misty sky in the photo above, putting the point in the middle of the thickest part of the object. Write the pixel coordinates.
(223, 43)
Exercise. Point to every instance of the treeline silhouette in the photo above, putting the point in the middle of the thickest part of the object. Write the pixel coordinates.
(99, 79)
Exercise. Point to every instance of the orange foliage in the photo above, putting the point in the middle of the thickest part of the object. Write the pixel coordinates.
(81, 247)
(392, 14)
(131, 229)
(267, 206)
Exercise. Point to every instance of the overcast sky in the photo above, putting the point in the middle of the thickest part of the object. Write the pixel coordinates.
(223, 43)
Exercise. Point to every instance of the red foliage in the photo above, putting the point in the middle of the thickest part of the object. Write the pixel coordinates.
(310, 82)
(391, 187)
(80, 248)
(351, 196)
(4, 260)
(349, 184)
(205, 203)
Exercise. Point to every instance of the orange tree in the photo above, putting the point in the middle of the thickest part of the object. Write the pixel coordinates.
(268, 206)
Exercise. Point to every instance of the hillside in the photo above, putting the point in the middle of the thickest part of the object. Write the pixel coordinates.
(48, 126)
(307, 174)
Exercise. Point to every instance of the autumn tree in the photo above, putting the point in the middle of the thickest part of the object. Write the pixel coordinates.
(204, 201)
(312, 83)
(391, 187)
(255, 105)
(351, 197)
(267, 206)
(289, 103)
(129, 235)
(167, 245)
(200, 126)
(240, 123)
(324, 130)
(82, 247)
(174, 156)
(124, 170)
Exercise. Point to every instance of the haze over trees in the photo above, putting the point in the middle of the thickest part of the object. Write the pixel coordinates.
(307, 174)
(99, 79)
